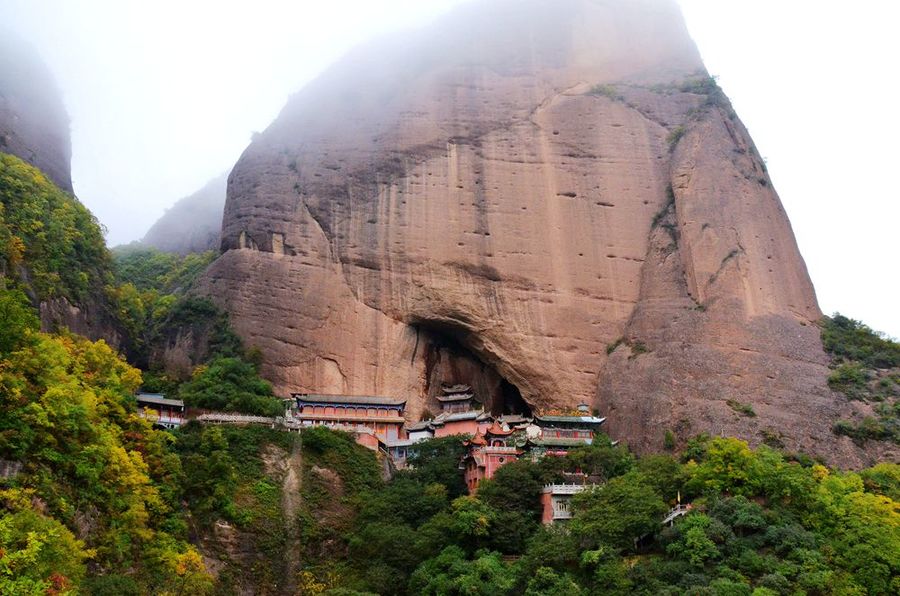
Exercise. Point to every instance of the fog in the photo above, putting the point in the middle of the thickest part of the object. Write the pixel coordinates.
(165, 95)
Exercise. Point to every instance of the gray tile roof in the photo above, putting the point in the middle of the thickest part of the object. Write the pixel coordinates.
(158, 399)
(455, 397)
(357, 400)
(569, 419)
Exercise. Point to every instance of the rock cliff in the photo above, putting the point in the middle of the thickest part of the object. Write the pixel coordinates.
(550, 201)
(194, 223)
(34, 125)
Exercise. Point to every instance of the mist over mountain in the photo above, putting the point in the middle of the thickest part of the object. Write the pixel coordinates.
(34, 124)
(194, 223)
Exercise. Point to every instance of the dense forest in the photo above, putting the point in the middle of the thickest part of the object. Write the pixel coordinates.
(94, 500)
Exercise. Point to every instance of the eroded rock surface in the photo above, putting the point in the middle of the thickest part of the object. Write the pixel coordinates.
(502, 199)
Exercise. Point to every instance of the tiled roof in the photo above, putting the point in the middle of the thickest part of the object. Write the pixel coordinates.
(400, 443)
(455, 397)
(513, 419)
(455, 388)
(357, 400)
(421, 425)
(456, 416)
(560, 442)
(569, 419)
(158, 399)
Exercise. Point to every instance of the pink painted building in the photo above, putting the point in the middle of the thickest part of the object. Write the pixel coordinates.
(460, 423)
(373, 418)
(488, 452)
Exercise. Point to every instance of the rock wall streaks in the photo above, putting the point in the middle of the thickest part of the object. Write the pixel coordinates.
(539, 182)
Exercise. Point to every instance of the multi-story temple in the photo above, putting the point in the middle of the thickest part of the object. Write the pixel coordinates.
(456, 398)
(373, 418)
(556, 435)
(488, 452)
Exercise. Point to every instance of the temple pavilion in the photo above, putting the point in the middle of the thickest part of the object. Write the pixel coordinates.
(557, 434)
(456, 398)
(378, 417)
(488, 452)
(163, 412)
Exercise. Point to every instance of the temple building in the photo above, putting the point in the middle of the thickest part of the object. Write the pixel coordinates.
(399, 451)
(373, 418)
(460, 423)
(167, 413)
(556, 435)
(456, 398)
(488, 452)
(557, 501)
(420, 431)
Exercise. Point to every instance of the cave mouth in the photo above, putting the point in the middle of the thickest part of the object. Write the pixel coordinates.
(450, 361)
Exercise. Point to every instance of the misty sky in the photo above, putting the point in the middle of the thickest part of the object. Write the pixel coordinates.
(165, 95)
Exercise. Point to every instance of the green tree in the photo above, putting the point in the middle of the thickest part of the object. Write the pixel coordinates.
(437, 461)
(546, 582)
(19, 320)
(39, 554)
(618, 512)
(451, 574)
(231, 385)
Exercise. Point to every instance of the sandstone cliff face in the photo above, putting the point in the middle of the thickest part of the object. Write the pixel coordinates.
(501, 200)
(34, 125)
(194, 223)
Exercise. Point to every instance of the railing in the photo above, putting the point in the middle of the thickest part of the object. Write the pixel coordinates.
(565, 489)
(493, 449)
(676, 512)
(217, 418)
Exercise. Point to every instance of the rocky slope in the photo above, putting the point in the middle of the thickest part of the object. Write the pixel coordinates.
(193, 224)
(34, 127)
(33, 122)
(547, 200)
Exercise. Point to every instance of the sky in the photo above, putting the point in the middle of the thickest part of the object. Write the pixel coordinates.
(165, 95)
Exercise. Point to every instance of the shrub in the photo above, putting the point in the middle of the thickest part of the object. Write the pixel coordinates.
(675, 136)
(741, 408)
(850, 378)
(606, 90)
(848, 339)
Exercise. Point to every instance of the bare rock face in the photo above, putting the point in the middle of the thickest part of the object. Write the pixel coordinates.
(34, 125)
(194, 223)
(547, 200)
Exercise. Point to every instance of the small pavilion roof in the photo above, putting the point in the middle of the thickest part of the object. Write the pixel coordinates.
(158, 399)
(458, 388)
(420, 425)
(478, 439)
(512, 419)
(455, 397)
(497, 430)
(356, 400)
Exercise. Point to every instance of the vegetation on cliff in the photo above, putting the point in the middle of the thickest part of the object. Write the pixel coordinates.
(50, 244)
(865, 367)
(761, 524)
(95, 506)
(155, 307)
